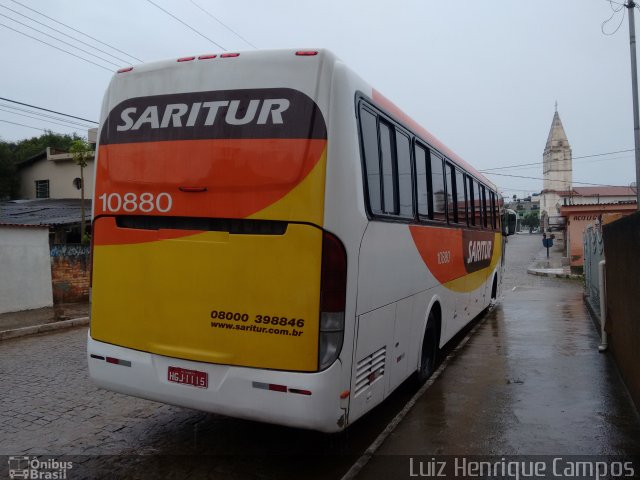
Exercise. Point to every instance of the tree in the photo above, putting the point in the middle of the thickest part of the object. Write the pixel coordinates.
(531, 220)
(13, 153)
(9, 182)
(81, 152)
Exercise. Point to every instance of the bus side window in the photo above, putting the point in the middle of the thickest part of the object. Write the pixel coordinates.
(422, 186)
(461, 197)
(493, 210)
(452, 211)
(389, 192)
(369, 130)
(438, 194)
(405, 182)
(485, 212)
(470, 195)
(477, 204)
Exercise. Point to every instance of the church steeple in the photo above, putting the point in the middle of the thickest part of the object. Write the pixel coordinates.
(557, 166)
(557, 137)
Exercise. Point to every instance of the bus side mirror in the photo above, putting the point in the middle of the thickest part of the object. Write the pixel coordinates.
(510, 223)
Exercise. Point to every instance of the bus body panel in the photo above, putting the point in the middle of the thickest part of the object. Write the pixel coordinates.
(233, 391)
(232, 299)
(312, 182)
(201, 150)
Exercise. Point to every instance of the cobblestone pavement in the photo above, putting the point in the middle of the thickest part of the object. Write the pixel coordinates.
(50, 407)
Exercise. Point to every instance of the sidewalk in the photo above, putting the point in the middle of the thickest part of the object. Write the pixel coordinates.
(40, 320)
(554, 266)
(530, 381)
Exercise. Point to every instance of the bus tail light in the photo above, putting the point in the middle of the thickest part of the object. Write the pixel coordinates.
(91, 243)
(333, 289)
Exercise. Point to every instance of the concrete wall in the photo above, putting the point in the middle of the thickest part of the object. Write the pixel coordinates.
(622, 252)
(70, 272)
(25, 269)
(60, 174)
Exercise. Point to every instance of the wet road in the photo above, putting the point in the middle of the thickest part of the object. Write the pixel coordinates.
(529, 382)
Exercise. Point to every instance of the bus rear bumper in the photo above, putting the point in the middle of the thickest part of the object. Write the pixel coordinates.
(234, 391)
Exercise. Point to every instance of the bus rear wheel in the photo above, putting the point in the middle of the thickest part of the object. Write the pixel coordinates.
(429, 354)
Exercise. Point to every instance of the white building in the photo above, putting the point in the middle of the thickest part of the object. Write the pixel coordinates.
(52, 174)
(25, 282)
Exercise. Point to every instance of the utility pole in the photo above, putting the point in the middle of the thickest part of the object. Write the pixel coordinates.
(634, 88)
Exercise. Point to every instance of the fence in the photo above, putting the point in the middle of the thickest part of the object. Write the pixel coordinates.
(622, 248)
(593, 254)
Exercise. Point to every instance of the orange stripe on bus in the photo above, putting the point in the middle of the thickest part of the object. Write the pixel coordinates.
(441, 251)
(242, 176)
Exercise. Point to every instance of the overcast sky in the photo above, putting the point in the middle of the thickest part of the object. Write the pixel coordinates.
(482, 76)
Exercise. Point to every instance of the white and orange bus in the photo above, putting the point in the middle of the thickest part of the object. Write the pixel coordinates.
(274, 240)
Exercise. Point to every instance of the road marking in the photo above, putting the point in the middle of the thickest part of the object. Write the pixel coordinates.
(371, 450)
(514, 288)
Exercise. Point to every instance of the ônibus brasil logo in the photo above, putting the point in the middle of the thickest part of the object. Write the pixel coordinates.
(33, 468)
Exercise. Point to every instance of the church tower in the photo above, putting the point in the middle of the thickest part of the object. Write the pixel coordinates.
(557, 168)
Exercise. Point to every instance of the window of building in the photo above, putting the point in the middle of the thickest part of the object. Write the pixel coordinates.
(42, 188)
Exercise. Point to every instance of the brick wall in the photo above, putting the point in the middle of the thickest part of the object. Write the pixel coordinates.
(70, 273)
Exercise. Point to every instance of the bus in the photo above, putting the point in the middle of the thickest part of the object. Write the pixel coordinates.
(274, 240)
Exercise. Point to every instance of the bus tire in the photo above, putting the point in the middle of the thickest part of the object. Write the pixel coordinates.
(429, 355)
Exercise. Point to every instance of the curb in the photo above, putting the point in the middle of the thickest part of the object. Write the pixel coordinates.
(541, 273)
(44, 328)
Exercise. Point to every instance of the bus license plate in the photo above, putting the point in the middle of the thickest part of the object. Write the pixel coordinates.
(188, 377)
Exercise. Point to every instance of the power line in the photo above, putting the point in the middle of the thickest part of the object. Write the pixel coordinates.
(537, 178)
(58, 40)
(40, 119)
(66, 35)
(44, 115)
(609, 159)
(611, 2)
(35, 128)
(225, 26)
(57, 48)
(77, 31)
(47, 110)
(185, 24)
(541, 163)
